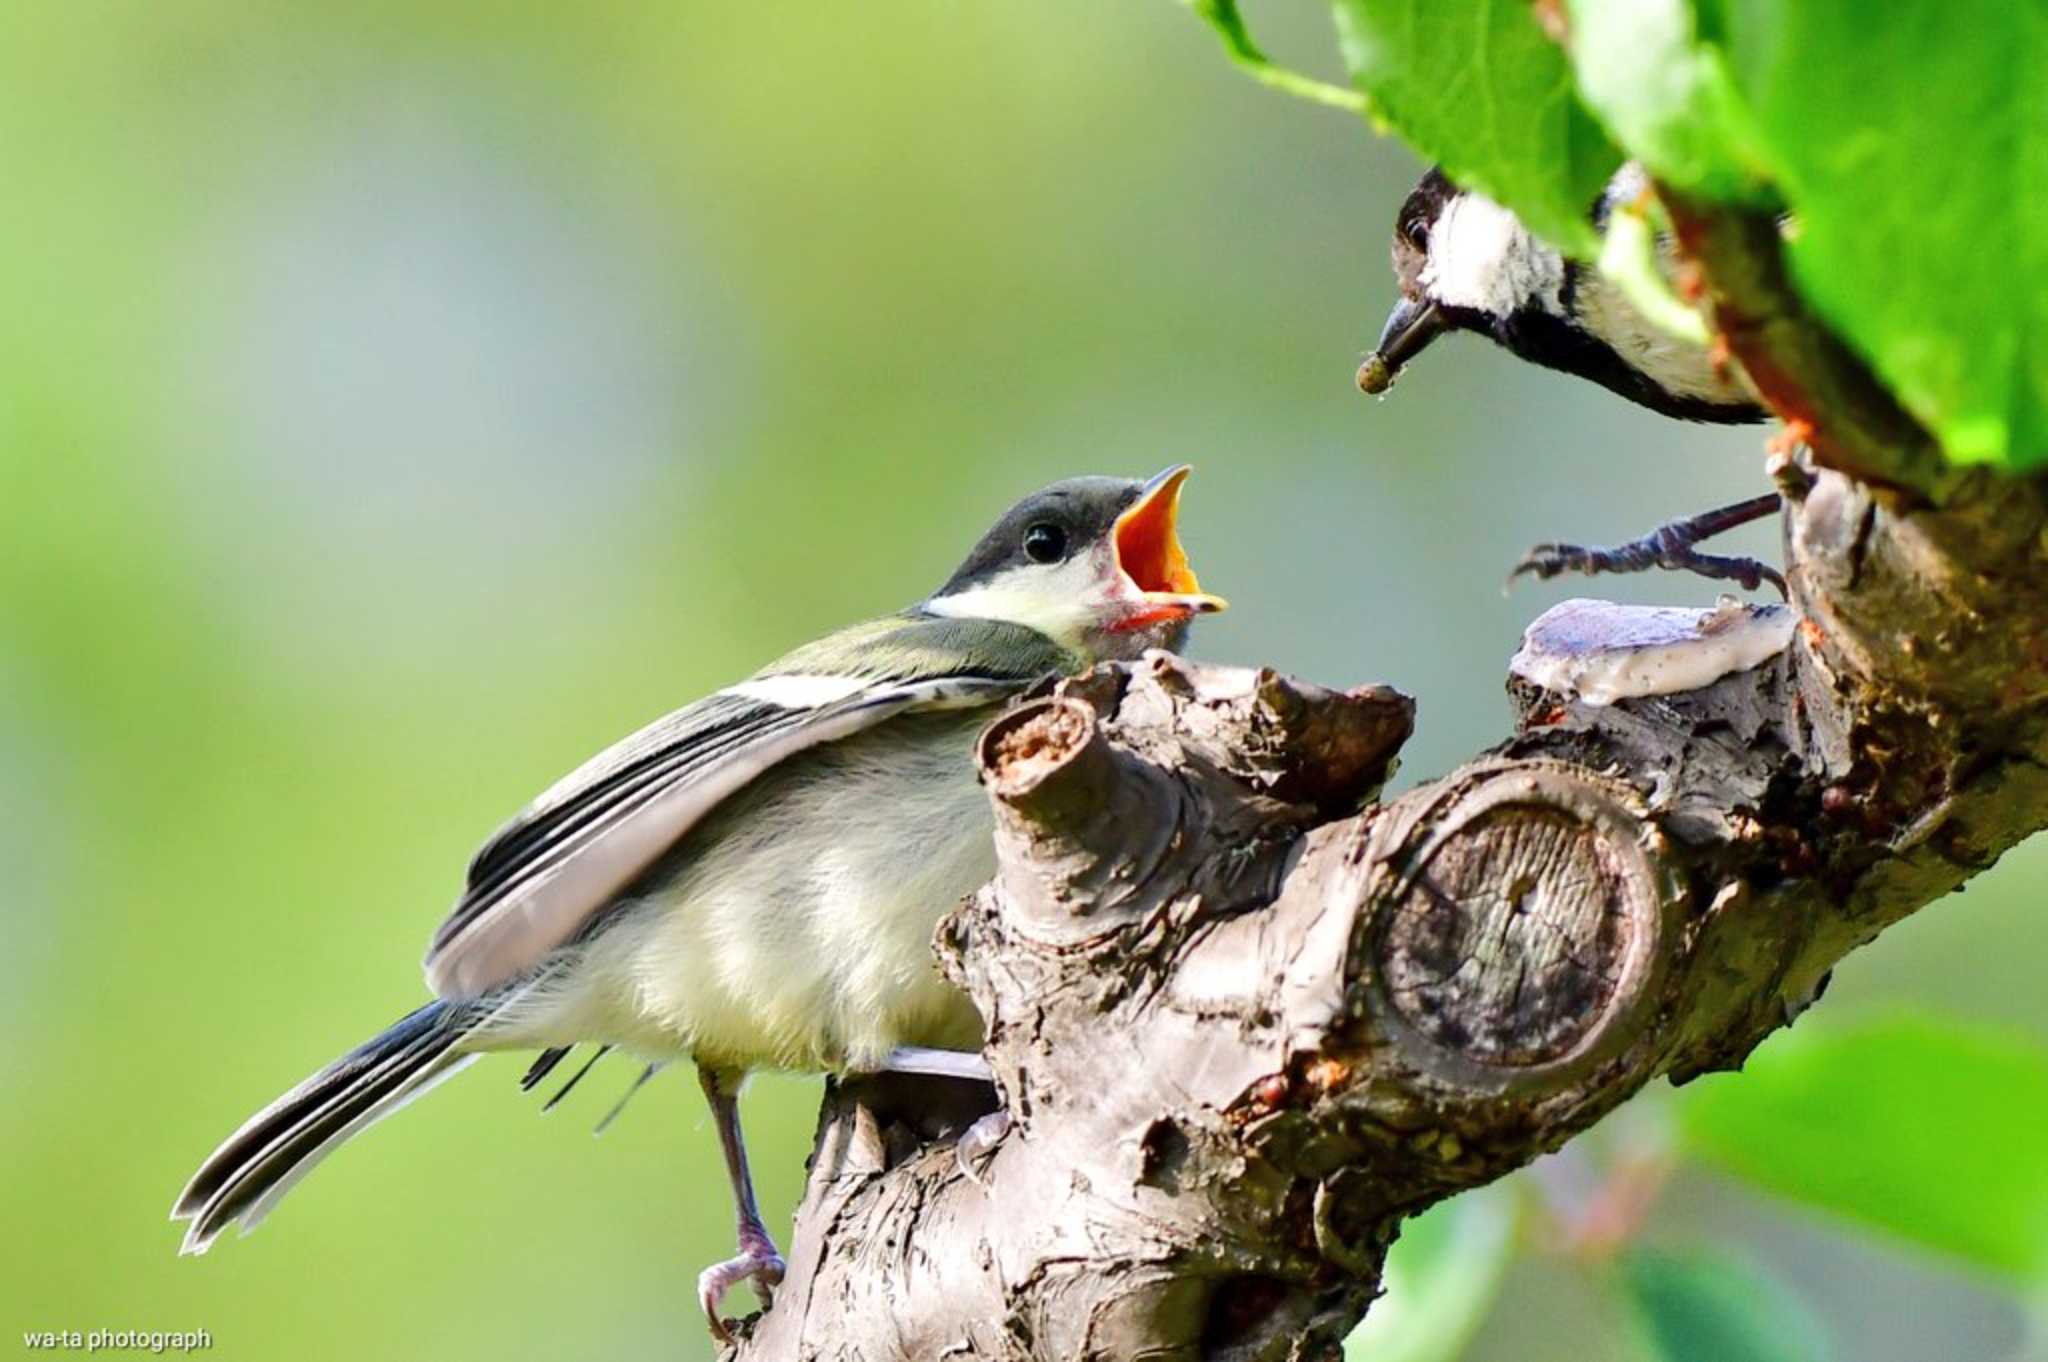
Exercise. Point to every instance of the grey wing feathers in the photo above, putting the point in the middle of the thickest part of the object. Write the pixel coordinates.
(697, 732)
(539, 880)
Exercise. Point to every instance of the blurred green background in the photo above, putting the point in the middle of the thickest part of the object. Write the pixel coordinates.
(399, 402)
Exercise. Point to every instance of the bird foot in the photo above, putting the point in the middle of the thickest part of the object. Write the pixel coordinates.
(757, 1262)
(1671, 547)
(978, 1141)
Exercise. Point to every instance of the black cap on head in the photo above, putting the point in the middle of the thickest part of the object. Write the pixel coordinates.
(1094, 564)
(1419, 212)
(1047, 527)
(1416, 319)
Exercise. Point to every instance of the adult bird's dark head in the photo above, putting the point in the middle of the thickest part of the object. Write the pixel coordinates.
(1464, 263)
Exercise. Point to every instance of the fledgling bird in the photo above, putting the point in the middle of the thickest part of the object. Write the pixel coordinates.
(1465, 263)
(753, 881)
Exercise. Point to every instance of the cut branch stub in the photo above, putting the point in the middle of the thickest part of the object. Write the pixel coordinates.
(1079, 812)
(1516, 925)
(1101, 782)
(1325, 750)
(1286, 741)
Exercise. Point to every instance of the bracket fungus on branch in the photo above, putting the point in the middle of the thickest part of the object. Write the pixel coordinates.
(1244, 1020)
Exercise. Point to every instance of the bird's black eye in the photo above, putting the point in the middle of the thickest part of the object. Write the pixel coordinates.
(1415, 232)
(1045, 542)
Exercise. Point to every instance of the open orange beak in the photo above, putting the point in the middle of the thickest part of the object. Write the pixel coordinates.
(1148, 552)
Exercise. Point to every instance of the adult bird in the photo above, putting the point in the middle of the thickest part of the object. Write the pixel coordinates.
(752, 882)
(1464, 263)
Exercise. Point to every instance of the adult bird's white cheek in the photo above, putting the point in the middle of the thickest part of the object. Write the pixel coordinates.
(1482, 258)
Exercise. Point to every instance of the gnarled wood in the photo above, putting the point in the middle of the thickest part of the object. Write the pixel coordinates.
(1244, 1020)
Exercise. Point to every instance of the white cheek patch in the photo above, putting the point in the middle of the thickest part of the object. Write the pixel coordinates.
(1481, 257)
(1063, 601)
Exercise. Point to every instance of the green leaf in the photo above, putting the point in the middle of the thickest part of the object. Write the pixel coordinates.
(1441, 1278)
(1698, 1307)
(1911, 143)
(1629, 257)
(1925, 1128)
(1667, 96)
(1224, 17)
(1915, 151)
(1477, 86)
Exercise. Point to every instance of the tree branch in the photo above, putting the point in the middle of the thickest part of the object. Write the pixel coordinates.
(1810, 379)
(1245, 1021)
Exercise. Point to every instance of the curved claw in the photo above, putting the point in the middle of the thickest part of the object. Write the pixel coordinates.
(1544, 561)
(1671, 547)
(757, 1263)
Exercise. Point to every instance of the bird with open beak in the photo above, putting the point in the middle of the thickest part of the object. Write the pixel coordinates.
(753, 881)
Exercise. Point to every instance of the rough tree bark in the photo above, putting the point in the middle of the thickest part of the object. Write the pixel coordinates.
(1245, 1021)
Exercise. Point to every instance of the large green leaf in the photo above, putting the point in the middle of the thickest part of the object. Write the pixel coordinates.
(1924, 1128)
(1479, 87)
(1701, 1307)
(1667, 96)
(1441, 1277)
(1911, 142)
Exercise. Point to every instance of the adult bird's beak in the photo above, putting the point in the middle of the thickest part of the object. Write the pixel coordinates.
(1410, 327)
(1149, 554)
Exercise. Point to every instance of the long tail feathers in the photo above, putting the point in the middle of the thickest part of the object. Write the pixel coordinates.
(575, 1078)
(620, 1105)
(543, 1064)
(244, 1179)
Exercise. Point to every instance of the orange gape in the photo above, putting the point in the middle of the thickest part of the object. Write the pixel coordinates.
(1147, 548)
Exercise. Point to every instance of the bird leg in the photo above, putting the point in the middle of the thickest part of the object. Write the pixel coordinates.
(758, 1260)
(1670, 546)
